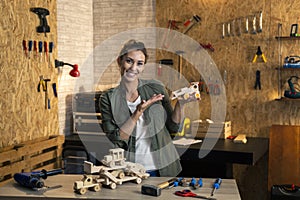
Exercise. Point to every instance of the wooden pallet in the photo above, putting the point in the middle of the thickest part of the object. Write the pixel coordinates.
(43, 153)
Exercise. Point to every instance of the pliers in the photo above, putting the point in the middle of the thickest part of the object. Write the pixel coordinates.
(259, 53)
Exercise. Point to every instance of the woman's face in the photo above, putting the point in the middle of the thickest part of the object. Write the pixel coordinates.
(132, 65)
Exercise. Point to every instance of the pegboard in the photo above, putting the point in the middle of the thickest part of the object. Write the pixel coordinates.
(24, 115)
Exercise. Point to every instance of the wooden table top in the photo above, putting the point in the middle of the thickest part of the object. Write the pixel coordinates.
(128, 190)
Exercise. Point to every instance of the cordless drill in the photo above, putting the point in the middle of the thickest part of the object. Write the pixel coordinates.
(33, 179)
(42, 13)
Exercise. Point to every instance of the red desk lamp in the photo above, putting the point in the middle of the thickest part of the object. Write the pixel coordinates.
(74, 72)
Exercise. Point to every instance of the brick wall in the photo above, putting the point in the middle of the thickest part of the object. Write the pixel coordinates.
(115, 22)
(91, 35)
(75, 44)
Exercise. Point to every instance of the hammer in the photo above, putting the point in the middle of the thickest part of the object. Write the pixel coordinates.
(155, 190)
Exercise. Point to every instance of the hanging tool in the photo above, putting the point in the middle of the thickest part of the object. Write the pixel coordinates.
(259, 30)
(54, 89)
(44, 84)
(51, 45)
(29, 48)
(259, 53)
(42, 13)
(189, 193)
(191, 22)
(239, 30)
(247, 24)
(172, 25)
(254, 25)
(216, 185)
(46, 51)
(41, 50)
(228, 29)
(223, 30)
(25, 48)
(180, 53)
(207, 46)
(294, 30)
(257, 81)
(232, 27)
(35, 48)
(293, 92)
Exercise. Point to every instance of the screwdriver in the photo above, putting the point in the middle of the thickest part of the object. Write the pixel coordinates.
(216, 185)
(29, 48)
(35, 49)
(25, 47)
(41, 50)
(46, 51)
(51, 45)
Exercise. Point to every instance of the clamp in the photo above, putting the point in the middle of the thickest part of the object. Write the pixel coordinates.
(259, 53)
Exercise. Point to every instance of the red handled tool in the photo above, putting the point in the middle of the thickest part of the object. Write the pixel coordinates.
(35, 48)
(46, 51)
(188, 193)
(25, 47)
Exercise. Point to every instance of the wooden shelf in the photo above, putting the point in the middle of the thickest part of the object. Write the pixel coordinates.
(287, 69)
(287, 38)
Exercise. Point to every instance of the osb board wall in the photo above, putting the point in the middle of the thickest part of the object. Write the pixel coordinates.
(251, 111)
(23, 114)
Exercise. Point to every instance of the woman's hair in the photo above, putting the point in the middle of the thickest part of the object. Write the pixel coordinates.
(132, 45)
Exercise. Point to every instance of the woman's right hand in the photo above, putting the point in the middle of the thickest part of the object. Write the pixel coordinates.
(145, 104)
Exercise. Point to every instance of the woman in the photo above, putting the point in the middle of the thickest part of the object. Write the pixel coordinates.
(138, 117)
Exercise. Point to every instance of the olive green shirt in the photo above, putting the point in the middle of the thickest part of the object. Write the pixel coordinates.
(158, 118)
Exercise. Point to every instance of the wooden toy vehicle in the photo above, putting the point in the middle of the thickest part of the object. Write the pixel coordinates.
(186, 91)
(87, 182)
(115, 158)
(115, 171)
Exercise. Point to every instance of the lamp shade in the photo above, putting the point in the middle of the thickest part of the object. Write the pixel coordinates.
(75, 72)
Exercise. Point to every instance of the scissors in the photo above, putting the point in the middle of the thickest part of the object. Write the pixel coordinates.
(188, 193)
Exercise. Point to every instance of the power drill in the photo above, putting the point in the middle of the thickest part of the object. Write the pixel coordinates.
(42, 13)
(33, 179)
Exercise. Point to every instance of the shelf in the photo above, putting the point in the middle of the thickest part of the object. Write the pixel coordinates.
(287, 38)
(287, 69)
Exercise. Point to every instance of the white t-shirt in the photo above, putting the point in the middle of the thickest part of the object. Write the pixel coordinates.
(143, 154)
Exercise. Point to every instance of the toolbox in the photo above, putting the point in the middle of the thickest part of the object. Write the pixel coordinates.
(200, 129)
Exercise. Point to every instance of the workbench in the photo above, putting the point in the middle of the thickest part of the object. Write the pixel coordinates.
(220, 159)
(129, 190)
(217, 163)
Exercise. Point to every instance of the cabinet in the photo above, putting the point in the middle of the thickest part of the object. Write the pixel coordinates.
(280, 69)
(284, 155)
